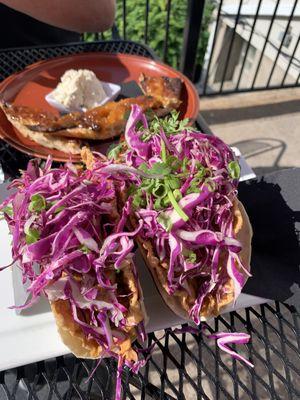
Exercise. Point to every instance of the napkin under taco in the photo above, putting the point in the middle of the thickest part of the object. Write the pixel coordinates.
(70, 240)
(196, 235)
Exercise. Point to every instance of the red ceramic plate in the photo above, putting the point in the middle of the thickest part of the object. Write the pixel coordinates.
(30, 86)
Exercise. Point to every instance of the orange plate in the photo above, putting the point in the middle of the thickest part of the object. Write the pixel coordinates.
(29, 87)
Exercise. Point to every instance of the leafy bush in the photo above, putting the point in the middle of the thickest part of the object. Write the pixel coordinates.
(135, 27)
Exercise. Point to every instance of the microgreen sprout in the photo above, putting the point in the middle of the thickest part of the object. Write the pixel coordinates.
(8, 210)
(37, 203)
(32, 236)
(234, 169)
(171, 125)
(84, 249)
(114, 151)
(166, 187)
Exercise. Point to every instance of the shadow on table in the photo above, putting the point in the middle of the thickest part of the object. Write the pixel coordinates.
(275, 244)
(261, 146)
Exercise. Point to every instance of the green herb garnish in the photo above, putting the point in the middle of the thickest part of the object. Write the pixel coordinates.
(191, 257)
(164, 188)
(8, 210)
(176, 206)
(211, 185)
(159, 190)
(201, 171)
(170, 125)
(173, 182)
(234, 169)
(164, 221)
(59, 209)
(138, 199)
(84, 249)
(159, 168)
(131, 189)
(163, 151)
(184, 164)
(194, 186)
(37, 203)
(114, 151)
(177, 194)
(32, 236)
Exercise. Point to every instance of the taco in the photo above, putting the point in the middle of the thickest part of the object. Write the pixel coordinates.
(66, 220)
(168, 188)
(196, 235)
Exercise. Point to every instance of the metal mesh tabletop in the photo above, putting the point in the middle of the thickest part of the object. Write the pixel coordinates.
(183, 366)
(14, 60)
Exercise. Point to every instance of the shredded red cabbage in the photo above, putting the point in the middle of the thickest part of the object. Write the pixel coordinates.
(223, 340)
(66, 220)
(181, 189)
(226, 338)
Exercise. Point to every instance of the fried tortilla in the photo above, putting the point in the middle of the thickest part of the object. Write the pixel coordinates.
(181, 301)
(66, 145)
(76, 340)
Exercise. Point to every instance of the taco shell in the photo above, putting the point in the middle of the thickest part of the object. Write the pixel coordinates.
(76, 340)
(181, 301)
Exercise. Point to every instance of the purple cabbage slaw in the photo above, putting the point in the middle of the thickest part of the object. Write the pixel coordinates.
(66, 221)
(187, 208)
(181, 189)
(224, 339)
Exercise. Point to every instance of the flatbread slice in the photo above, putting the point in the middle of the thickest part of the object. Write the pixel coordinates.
(70, 146)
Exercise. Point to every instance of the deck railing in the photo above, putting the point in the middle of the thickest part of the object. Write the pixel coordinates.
(224, 46)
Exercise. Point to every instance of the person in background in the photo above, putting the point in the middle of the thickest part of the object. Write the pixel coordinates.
(38, 22)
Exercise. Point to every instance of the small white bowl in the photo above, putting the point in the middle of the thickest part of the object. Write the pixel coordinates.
(111, 89)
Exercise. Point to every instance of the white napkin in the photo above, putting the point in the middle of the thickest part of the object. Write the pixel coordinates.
(1, 174)
(247, 172)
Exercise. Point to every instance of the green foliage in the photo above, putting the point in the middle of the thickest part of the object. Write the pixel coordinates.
(136, 20)
(204, 33)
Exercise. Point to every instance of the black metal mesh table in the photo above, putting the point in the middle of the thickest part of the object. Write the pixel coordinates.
(183, 366)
